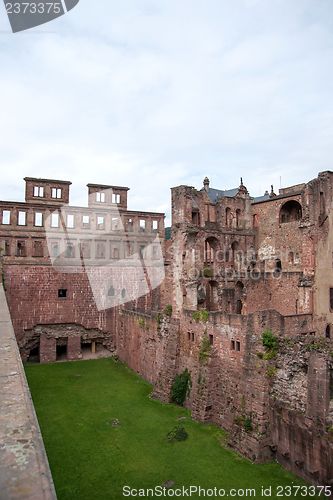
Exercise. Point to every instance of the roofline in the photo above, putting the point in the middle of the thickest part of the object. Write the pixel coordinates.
(38, 179)
(278, 197)
(108, 187)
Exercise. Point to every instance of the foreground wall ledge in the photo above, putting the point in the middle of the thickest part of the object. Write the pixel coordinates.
(24, 468)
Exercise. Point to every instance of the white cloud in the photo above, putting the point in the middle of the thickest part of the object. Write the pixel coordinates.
(152, 96)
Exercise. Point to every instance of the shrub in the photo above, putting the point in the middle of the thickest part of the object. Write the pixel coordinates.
(180, 387)
(208, 272)
(245, 422)
(201, 315)
(269, 341)
(178, 433)
(271, 371)
(168, 310)
(205, 349)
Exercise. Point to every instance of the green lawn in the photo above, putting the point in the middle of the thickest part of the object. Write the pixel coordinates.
(90, 459)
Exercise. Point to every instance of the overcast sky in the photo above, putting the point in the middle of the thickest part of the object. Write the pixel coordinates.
(153, 94)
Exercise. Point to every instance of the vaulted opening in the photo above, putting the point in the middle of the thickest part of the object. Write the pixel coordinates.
(211, 247)
(62, 348)
(290, 211)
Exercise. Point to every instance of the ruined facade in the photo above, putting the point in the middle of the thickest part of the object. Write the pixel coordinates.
(250, 282)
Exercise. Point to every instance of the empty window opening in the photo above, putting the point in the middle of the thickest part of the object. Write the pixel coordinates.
(85, 249)
(212, 296)
(237, 345)
(195, 217)
(100, 250)
(55, 249)
(233, 345)
(234, 249)
(278, 266)
(38, 219)
(228, 217)
(55, 219)
(38, 250)
(70, 221)
(142, 225)
(6, 217)
(115, 224)
(155, 225)
(238, 214)
(70, 250)
(62, 293)
(116, 198)
(239, 306)
(85, 221)
(56, 193)
(100, 222)
(129, 225)
(100, 197)
(62, 349)
(322, 203)
(7, 248)
(328, 332)
(115, 253)
(192, 336)
(211, 339)
(290, 211)
(22, 219)
(211, 247)
(21, 249)
(39, 192)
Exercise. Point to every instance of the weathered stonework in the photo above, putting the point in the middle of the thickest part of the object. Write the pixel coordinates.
(235, 267)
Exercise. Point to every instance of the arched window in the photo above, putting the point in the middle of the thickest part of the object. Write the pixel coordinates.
(238, 214)
(211, 246)
(239, 306)
(111, 291)
(234, 248)
(228, 217)
(290, 212)
(278, 266)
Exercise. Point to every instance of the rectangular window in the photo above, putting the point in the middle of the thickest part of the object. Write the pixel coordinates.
(38, 249)
(237, 346)
(85, 249)
(6, 217)
(21, 249)
(100, 222)
(100, 197)
(116, 198)
(70, 250)
(7, 248)
(142, 225)
(100, 250)
(233, 345)
(331, 299)
(56, 193)
(155, 225)
(55, 219)
(85, 221)
(22, 218)
(70, 221)
(38, 219)
(115, 224)
(129, 225)
(62, 293)
(55, 249)
(39, 192)
(211, 339)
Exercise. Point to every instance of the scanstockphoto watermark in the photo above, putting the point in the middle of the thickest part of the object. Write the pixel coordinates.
(25, 15)
(286, 491)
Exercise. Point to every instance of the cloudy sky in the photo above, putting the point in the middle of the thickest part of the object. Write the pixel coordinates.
(157, 93)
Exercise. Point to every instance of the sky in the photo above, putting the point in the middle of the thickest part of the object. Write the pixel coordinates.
(154, 94)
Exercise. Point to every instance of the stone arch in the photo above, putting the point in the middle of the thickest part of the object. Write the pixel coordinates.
(290, 211)
(228, 217)
(211, 247)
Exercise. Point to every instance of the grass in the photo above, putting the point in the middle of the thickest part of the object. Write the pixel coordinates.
(77, 404)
